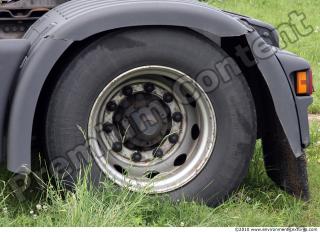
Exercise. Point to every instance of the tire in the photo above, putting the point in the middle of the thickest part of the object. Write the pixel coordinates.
(84, 79)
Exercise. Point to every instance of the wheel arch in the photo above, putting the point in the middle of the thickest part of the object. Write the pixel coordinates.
(61, 29)
(54, 33)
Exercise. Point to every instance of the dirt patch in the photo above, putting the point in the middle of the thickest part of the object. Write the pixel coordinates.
(314, 118)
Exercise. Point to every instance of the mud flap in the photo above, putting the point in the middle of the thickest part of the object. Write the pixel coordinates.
(287, 171)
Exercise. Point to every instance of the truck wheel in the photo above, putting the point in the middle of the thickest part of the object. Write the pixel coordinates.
(130, 103)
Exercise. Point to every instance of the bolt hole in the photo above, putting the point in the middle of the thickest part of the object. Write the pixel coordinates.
(191, 100)
(195, 132)
(120, 169)
(152, 174)
(180, 160)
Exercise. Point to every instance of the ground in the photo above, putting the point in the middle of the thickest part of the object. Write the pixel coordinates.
(257, 203)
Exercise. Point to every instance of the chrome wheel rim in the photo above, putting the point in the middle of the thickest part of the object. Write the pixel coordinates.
(152, 127)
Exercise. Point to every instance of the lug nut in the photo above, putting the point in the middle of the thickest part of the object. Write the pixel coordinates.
(177, 117)
(174, 138)
(149, 87)
(117, 147)
(127, 91)
(167, 97)
(136, 157)
(108, 127)
(112, 106)
(158, 153)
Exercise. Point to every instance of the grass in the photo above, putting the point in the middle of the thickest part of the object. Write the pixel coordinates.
(257, 203)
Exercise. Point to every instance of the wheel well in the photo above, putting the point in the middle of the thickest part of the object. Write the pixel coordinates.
(38, 142)
(259, 89)
(38, 138)
(252, 74)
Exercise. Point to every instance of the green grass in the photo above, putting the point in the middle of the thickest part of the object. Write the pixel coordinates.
(276, 12)
(257, 203)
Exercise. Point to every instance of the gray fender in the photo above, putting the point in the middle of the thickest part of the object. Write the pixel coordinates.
(11, 55)
(281, 89)
(77, 20)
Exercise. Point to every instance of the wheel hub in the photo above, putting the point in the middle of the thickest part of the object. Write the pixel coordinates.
(143, 120)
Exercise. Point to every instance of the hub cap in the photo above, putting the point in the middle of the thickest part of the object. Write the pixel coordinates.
(153, 127)
(143, 120)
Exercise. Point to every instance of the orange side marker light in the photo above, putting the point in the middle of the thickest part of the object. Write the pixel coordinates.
(302, 83)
